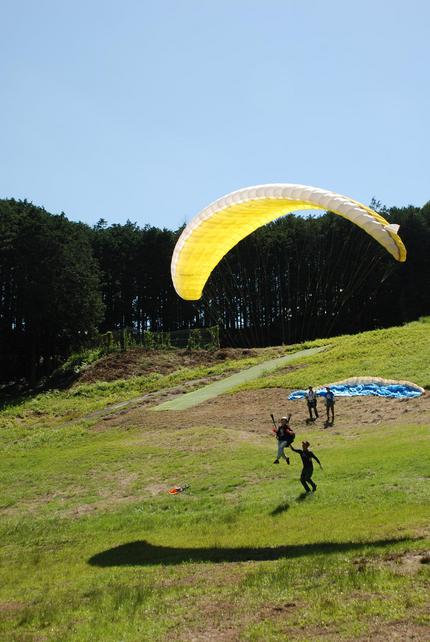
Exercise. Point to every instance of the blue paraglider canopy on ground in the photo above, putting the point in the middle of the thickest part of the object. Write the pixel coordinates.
(393, 390)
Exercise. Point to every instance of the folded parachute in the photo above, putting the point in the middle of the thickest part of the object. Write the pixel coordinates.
(365, 386)
(221, 225)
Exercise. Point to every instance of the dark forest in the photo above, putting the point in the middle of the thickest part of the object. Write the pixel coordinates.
(62, 283)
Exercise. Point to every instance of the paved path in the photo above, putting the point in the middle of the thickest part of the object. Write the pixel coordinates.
(219, 387)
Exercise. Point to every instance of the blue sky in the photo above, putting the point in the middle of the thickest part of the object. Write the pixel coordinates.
(148, 111)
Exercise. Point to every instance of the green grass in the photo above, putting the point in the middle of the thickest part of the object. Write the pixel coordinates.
(397, 353)
(94, 548)
(401, 353)
(225, 384)
(50, 408)
(89, 553)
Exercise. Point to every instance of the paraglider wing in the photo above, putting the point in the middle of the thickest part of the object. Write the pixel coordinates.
(221, 225)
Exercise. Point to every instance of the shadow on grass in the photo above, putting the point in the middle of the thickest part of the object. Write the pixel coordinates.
(280, 509)
(142, 553)
(303, 496)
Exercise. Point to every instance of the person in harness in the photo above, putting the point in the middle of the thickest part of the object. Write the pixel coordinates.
(311, 399)
(308, 467)
(329, 405)
(285, 436)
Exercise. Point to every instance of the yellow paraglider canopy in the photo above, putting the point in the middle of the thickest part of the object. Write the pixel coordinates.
(221, 225)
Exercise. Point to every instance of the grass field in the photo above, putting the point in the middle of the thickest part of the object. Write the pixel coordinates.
(94, 548)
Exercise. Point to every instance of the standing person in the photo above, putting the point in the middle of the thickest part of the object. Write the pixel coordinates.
(329, 404)
(311, 399)
(308, 467)
(285, 436)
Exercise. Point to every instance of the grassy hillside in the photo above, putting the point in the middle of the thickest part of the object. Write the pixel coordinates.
(80, 399)
(94, 548)
(396, 353)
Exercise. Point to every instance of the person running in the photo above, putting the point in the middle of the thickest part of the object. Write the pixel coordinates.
(285, 436)
(329, 404)
(308, 468)
(311, 399)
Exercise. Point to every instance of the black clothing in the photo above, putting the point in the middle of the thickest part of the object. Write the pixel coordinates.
(312, 405)
(308, 467)
(305, 477)
(289, 438)
(329, 404)
(307, 456)
(329, 398)
(282, 434)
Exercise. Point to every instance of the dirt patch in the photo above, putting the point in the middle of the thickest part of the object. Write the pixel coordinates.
(225, 622)
(219, 575)
(139, 361)
(249, 412)
(156, 489)
(321, 632)
(218, 623)
(112, 489)
(278, 610)
(11, 607)
(223, 626)
(34, 505)
(398, 632)
(119, 480)
(81, 510)
(407, 563)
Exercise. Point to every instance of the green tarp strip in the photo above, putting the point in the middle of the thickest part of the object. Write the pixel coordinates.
(219, 387)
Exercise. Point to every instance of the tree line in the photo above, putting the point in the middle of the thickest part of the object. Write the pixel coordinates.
(298, 278)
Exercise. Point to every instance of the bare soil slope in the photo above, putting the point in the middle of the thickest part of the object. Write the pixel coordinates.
(249, 411)
(136, 362)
